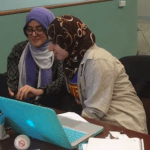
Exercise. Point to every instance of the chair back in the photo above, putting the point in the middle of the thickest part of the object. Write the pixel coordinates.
(137, 67)
(138, 70)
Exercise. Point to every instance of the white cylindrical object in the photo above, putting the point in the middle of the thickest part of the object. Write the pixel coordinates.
(22, 142)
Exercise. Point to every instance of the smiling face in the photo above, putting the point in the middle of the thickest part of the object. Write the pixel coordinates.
(60, 53)
(35, 38)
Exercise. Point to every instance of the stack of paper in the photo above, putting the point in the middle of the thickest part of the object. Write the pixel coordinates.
(119, 142)
(114, 144)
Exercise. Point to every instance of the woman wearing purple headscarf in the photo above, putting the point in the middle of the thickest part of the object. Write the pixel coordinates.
(94, 77)
(32, 70)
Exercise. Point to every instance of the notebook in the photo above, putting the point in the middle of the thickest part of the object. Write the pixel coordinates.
(42, 123)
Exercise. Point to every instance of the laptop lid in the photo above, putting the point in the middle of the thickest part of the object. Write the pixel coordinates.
(41, 123)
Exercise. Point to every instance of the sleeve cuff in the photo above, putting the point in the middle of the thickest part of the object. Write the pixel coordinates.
(44, 89)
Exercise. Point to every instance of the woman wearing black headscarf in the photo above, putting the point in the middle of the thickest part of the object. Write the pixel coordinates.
(96, 79)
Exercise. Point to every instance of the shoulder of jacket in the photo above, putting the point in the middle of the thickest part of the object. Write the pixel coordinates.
(19, 47)
(21, 44)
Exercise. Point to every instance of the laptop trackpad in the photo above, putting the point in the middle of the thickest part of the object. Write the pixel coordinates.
(68, 122)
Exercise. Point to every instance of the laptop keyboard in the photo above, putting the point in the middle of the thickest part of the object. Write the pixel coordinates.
(73, 134)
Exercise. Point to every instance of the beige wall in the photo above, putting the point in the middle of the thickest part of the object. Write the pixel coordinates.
(143, 7)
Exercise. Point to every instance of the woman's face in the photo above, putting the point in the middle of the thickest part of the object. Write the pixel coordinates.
(36, 34)
(60, 53)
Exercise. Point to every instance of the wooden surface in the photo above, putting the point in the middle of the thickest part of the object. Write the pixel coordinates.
(16, 11)
(8, 144)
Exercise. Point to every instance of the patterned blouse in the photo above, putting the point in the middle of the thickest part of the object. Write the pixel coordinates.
(13, 72)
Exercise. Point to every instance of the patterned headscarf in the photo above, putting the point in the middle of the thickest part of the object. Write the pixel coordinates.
(74, 36)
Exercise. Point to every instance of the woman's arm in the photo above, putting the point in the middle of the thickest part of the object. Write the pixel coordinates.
(53, 88)
(99, 80)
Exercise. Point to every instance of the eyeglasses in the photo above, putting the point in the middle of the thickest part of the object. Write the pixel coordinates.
(39, 31)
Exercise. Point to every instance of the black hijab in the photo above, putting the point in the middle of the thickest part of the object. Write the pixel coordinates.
(74, 36)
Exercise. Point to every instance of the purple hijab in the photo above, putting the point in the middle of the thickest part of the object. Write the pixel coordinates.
(42, 15)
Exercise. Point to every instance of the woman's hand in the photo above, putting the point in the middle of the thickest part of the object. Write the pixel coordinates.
(28, 92)
(10, 92)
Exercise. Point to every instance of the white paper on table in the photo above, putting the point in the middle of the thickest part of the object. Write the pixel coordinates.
(84, 146)
(114, 144)
(73, 115)
(118, 135)
(142, 144)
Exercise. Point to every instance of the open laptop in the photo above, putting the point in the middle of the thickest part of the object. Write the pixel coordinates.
(42, 123)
